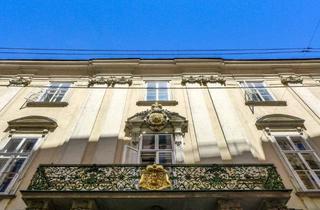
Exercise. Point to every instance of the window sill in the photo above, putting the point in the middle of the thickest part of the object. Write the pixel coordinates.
(164, 103)
(7, 196)
(314, 194)
(266, 103)
(46, 104)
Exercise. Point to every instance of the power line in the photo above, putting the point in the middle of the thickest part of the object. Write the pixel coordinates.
(163, 54)
(313, 35)
(151, 50)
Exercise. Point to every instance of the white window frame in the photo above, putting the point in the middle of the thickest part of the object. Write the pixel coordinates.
(255, 90)
(56, 92)
(156, 149)
(157, 90)
(15, 155)
(311, 151)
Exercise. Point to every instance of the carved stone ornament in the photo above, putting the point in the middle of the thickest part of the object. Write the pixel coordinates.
(110, 81)
(191, 79)
(154, 177)
(19, 80)
(291, 79)
(214, 79)
(203, 80)
(100, 80)
(155, 119)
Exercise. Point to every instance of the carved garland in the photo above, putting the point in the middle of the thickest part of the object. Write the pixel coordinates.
(110, 81)
(204, 80)
(19, 80)
(292, 79)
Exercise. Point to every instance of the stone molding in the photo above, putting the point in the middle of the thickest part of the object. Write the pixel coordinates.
(203, 80)
(229, 205)
(110, 81)
(83, 205)
(273, 204)
(33, 122)
(279, 121)
(291, 79)
(20, 81)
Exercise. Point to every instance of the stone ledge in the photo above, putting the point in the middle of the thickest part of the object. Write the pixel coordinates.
(46, 104)
(266, 103)
(314, 194)
(163, 103)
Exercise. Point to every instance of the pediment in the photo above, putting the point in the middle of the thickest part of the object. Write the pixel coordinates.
(279, 120)
(155, 119)
(33, 123)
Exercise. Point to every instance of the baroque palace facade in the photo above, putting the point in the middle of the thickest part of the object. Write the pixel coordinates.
(187, 134)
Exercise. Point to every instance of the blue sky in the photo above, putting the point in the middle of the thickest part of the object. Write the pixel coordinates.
(158, 25)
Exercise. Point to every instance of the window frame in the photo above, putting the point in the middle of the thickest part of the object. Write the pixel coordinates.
(56, 94)
(12, 156)
(156, 149)
(256, 89)
(295, 150)
(157, 90)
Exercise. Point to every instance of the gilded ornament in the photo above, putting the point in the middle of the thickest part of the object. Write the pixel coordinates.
(154, 177)
(157, 119)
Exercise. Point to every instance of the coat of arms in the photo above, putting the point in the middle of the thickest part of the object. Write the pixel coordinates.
(154, 177)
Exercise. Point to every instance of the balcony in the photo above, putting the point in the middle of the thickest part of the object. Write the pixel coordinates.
(134, 187)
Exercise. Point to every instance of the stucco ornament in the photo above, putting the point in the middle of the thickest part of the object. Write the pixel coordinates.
(154, 177)
(157, 119)
(19, 80)
(291, 79)
(100, 80)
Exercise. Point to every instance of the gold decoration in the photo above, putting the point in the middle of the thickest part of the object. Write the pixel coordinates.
(157, 118)
(154, 177)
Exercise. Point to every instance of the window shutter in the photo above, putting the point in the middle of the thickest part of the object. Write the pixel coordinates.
(130, 155)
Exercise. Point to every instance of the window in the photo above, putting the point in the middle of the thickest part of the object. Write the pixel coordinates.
(156, 148)
(256, 91)
(55, 92)
(157, 91)
(13, 157)
(301, 159)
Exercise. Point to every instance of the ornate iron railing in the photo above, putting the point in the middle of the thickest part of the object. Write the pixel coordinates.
(117, 178)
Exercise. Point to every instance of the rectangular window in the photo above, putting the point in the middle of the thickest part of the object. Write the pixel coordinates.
(55, 92)
(301, 159)
(157, 91)
(13, 157)
(256, 91)
(156, 148)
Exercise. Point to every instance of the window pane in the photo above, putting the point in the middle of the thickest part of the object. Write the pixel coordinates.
(28, 145)
(3, 162)
(311, 160)
(165, 142)
(148, 142)
(15, 165)
(283, 142)
(165, 157)
(299, 143)
(148, 157)
(307, 179)
(163, 94)
(13, 144)
(151, 94)
(295, 161)
(5, 180)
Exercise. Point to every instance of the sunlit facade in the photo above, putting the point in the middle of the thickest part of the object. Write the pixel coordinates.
(187, 134)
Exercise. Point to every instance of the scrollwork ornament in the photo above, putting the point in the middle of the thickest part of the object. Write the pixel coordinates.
(19, 80)
(291, 79)
(157, 119)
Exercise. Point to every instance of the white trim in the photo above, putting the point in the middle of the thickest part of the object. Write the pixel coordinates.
(246, 88)
(156, 149)
(157, 90)
(288, 136)
(12, 156)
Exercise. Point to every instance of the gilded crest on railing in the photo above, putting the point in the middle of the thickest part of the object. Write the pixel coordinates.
(154, 177)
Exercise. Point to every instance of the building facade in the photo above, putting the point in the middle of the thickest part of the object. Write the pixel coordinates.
(185, 134)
